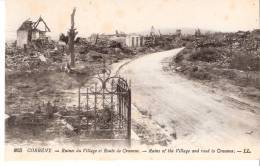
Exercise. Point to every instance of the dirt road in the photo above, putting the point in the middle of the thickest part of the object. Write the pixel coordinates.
(186, 111)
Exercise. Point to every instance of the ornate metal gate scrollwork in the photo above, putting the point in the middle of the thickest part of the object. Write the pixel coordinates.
(105, 107)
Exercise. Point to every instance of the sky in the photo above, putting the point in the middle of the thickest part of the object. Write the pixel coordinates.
(106, 16)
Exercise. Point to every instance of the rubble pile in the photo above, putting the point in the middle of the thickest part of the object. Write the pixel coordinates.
(32, 59)
(215, 56)
(113, 49)
(22, 63)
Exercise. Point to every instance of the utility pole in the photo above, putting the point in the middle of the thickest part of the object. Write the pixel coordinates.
(72, 34)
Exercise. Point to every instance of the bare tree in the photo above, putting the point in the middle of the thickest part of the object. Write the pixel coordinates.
(72, 34)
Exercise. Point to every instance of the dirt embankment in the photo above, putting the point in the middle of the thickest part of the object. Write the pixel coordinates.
(214, 66)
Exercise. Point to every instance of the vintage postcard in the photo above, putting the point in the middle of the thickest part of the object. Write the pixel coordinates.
(132, 79)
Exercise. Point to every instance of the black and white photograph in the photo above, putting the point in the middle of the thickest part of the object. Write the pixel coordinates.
(132, 79)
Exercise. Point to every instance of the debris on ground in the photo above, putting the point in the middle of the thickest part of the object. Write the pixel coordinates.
(221, 56)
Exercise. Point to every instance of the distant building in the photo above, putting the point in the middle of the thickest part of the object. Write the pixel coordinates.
(178, 32)
(135, 41)
(197, 33)
(29, 32)
(93, 38)
(121, 40)
(242, 34)
(153, 32)
(256, 34)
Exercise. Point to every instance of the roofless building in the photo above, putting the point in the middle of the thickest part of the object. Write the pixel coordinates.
(30, 31)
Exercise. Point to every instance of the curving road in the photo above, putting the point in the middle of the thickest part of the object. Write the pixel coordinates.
(198, 116)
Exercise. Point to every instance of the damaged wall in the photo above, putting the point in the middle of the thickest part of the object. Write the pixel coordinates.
(135, 41)
(22, 38)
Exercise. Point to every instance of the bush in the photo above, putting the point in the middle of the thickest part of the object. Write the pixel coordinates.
(200, 74)
(82, 57)
(229, 73)
(178, 58)
(245, 62)
(205, 55)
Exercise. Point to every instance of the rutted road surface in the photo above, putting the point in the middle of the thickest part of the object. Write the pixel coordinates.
(186, 111)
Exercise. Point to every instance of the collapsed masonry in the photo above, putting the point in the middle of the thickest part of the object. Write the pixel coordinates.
(31, 31)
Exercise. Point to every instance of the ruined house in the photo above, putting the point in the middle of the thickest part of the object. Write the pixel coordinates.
(119, 39)
(135, 41)
(256, 34)
(178, 32)
(30, 31)
(197, 33)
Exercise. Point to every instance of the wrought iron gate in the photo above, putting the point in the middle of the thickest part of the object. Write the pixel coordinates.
(105, 107)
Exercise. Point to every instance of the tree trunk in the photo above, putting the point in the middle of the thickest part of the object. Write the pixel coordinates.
(72, 34)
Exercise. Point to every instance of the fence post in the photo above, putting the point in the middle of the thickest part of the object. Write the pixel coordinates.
(119, 103)
(79, 127)
(129, 118)
(111, 112)
(79, 100)
(95, 108)
(87, 108)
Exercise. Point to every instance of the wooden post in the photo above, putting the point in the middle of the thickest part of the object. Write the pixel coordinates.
(96, 39)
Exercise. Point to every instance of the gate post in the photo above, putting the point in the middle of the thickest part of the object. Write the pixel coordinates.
(79, 127)
(129, 118)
